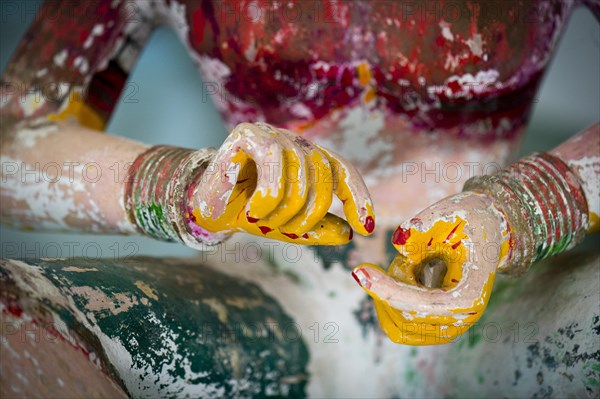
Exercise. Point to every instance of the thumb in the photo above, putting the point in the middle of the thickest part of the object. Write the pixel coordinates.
(374, 280)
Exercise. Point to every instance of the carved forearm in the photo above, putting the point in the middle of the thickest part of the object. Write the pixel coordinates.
(61, 176)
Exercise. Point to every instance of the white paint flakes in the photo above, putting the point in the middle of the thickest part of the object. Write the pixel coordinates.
(446, 33)
(60, 58)
(361, 142)
(588, 169)
(28, 137)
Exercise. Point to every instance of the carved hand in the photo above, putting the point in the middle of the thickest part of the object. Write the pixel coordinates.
(270, 182)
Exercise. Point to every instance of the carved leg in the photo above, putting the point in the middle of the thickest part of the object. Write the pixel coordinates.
(270, 320)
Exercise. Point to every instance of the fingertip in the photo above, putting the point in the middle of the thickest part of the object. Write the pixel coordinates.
(366, 274)
(362, 219)
(362, 277)
(370, 224)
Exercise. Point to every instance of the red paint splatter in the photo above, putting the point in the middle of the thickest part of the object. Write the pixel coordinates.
(400, 236)
(454, 280)
(250, 218)
(198, 25)
(454, 246)
(370, 224)
(367, 278)
(452, 232)
(14, 310)
(290, 235)
(454, 86)
(237, 196)
(430, 241)
(356, 279)
(265, 229)
(351, 234)
(305, 235)
(440, 41)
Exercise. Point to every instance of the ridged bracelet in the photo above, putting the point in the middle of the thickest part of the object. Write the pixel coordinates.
(544, 204)
(156, 195)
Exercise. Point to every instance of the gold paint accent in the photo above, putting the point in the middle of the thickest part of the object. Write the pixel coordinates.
(81, 111)
(218, 307)
(369, 95)
(364, 73)
(594, 223)
(145, 288)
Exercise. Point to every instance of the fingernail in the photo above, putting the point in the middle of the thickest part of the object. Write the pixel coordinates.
(400, 236)
(369, 224)
(362, 278)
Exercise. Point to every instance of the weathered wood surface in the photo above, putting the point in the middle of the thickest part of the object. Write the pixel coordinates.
(171, 327)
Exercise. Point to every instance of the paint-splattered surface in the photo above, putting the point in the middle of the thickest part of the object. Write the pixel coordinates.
(165, 331)
(401, 90)
(175, 327)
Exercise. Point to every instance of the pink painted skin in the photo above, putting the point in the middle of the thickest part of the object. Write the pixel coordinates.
(582, 154)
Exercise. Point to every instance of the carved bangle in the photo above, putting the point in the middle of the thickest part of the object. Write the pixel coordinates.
(156, 195)
(544, 204)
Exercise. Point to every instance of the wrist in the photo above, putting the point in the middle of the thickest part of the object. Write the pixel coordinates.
(156, 195)
(544, 206)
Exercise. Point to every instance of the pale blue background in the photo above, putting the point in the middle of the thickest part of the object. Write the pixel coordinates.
(171, 110)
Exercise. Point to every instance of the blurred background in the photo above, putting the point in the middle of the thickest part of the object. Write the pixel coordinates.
(172, 109)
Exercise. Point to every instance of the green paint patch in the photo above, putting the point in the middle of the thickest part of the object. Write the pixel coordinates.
(157, 210)
(260, 343)
(474, 338)
(413, 352)
(592, 382)
(292, 276)
(410, 375)
(480, 379)
(332, 254)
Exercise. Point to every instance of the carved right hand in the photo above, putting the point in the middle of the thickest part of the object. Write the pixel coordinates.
(270, 182)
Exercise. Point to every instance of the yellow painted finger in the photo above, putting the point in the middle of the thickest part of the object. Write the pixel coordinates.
(332, 230)
(235, 209)
(246, 145)
(295, 171)
(270, 184)
(320, 191)
(352, 191)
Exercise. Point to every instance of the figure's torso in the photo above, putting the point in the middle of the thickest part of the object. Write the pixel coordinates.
(386, 84)
(440, 66)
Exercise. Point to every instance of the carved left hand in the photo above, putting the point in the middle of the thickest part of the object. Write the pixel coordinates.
(440, 283)
(270, 182)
